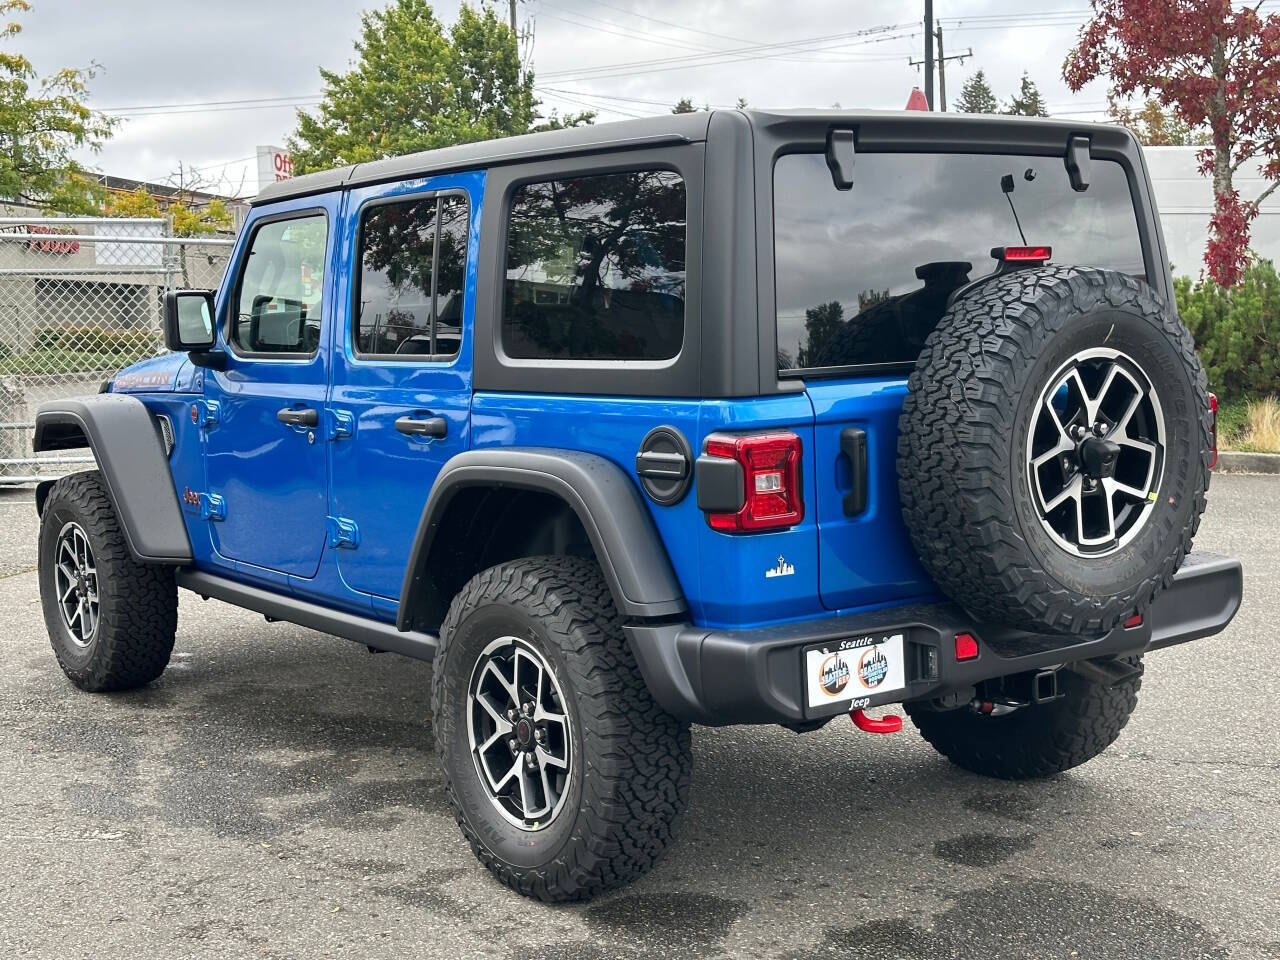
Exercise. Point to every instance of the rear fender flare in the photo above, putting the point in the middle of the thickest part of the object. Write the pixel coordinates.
(626, 542)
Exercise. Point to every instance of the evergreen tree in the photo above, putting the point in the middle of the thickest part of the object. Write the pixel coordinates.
(976, 96)
(1027, 102)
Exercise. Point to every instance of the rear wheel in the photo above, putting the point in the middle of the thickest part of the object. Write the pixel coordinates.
(564, 775)
(1039, 739)
(111, 620)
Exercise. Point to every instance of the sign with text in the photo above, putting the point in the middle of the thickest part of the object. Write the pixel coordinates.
(274, 163)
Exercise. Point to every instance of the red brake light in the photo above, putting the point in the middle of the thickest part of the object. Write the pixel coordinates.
(771, 481)
(1213, 432)
(1039, 254)
(966, 647)
(1133, 622)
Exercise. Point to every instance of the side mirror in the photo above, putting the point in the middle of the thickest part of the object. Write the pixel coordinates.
(188, 320)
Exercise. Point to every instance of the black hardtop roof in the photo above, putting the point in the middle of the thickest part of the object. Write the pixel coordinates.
(666, 129)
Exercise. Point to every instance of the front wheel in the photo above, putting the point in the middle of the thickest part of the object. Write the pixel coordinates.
(111, 619)
(565, 776)
(1040, 739)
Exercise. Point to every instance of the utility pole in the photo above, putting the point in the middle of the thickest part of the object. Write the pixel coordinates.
(513, 18)
(941, 61)
(928, 52)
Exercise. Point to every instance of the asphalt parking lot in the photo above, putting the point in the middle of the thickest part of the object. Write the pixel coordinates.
(274, 795)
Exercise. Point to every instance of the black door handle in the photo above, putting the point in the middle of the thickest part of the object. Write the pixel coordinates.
(423, 426)
(853, 444)
(298, 416)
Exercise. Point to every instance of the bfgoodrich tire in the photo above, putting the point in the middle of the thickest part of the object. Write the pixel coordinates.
(1053, 451)
(564, 775)
(111, 619)
(1037, 740)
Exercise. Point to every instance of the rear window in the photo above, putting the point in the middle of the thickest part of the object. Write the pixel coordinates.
(863, 275)
(409, 294)
(596, 268)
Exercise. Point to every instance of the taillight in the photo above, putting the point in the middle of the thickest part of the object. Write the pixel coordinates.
(1213, 431)
(771, 481)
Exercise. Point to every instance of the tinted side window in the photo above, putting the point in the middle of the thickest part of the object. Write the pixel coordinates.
(278, 308)
(413, 260)
(863, 275)
(596, 268)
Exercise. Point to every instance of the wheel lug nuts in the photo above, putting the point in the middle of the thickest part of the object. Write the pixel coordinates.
(513, 743)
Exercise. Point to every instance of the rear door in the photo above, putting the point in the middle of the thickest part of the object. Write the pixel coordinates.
(862, 278)
(401, 398)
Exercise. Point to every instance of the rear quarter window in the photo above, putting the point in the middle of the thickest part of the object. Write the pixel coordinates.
(595, 268)
(863, 276)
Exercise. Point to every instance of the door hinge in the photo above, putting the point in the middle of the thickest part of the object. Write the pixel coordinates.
(342, 532)
(212, 507)
(339, 424)
(206, 413)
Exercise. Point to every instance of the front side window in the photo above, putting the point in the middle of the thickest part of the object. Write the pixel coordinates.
(279, 304)
(596, 268)
(863, 276)
(413, 262)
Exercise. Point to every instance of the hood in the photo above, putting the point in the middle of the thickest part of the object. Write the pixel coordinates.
(167, 373)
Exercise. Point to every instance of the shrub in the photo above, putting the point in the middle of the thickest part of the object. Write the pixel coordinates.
(93, 339)
(1236, 329)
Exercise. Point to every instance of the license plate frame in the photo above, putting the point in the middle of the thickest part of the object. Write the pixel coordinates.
(850, 673)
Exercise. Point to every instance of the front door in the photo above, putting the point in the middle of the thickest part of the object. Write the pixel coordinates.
(401, 399)
(265, 451)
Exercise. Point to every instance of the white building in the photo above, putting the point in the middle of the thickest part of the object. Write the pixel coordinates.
(1185, 200)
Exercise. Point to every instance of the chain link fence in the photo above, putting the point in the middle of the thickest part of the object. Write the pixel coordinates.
(79, 299)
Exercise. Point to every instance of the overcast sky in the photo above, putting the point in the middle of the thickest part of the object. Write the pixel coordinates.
(169, 66)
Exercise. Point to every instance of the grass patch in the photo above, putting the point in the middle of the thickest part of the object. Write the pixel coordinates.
(1249, 424)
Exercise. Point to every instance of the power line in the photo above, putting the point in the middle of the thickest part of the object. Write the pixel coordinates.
(869, 35)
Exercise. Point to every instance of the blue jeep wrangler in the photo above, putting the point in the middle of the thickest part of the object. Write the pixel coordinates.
(730, 417)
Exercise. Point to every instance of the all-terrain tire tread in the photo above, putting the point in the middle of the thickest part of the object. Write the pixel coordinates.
(954, 482)
(139, 606)
(1035, 741)
(640, 756)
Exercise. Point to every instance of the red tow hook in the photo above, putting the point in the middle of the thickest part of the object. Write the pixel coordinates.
(887, 724)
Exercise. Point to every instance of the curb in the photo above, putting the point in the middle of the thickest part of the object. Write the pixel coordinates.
(1236, 461)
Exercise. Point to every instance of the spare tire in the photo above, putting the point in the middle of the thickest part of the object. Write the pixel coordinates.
(1054, 449)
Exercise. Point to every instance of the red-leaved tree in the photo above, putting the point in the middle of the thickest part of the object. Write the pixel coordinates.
(1215, 67)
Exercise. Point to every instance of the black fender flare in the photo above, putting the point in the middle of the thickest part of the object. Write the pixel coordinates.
(131, 456)
(606, 501)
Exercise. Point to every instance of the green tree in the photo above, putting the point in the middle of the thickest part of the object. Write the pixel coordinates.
(554, 121)
(684, 105)
(976, 96)
(43, 120)
(1027, 102)
(415, 86)
(189, 220)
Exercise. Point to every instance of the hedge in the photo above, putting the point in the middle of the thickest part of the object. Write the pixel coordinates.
(1237, 330)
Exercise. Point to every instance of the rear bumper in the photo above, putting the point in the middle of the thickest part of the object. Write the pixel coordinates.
(723, 677)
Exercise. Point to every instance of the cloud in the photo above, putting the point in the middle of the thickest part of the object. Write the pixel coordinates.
(184, 51)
